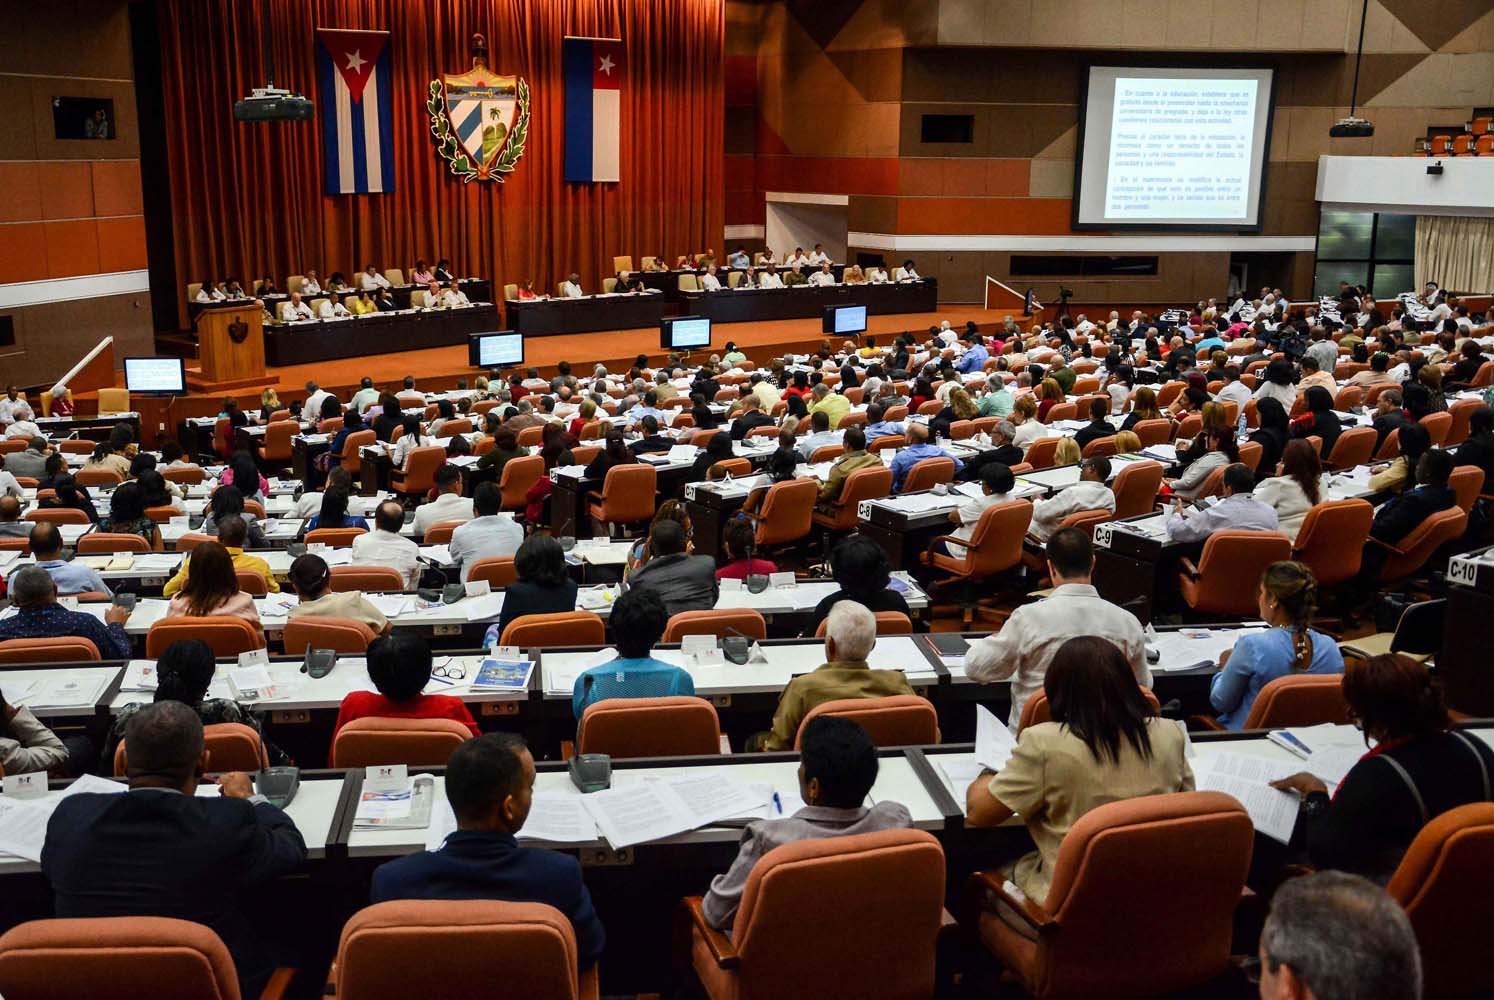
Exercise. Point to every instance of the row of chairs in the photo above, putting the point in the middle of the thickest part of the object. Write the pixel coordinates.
(1477, 139)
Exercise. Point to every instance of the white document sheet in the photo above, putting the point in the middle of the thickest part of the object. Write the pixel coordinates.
(994, 742)
(558, 818)
(653, 810)
(1273, 812)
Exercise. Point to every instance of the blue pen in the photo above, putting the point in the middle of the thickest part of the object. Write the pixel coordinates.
(777, 804)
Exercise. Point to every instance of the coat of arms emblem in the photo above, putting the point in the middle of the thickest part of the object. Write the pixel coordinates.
(480, 119)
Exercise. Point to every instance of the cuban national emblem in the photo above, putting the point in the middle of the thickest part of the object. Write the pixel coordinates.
(480, 120)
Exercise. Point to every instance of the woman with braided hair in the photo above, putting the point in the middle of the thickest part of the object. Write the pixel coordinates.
(1287, 597)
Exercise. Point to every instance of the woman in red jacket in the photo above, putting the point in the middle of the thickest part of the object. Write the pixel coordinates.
(399, 664)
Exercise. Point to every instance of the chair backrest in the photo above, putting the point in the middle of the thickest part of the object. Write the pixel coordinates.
(1466, 481)
(1126, 854)
(1425, 539)
(1135, 488)
(1041, 453)
(231, 746)
(927, 473)
(1437, 425)
(345, 635)
(1353, 447)
(1251, 453)
(827, 453)
(1213, 484)
(1100, 446)
(1190, 426)
(1461, 411)
(529, 948)
(650, 727)
(278, 440)
(374, 740)
(870, 483)
(1152, 432)
(1169, 392)
(440, 534)
(1331, 539)
(338, 538)
(228, 635)
(498, 571)
(57, 515)
(1299, 700)
(996, 544)
(563, 628)
(628, 493)
(114, 400)
(420, 469)
(1228, 558)
(109, 541)
(888, 623)
(157, 957)
(351, 456)
(519, 474)
(787, 512)
(896, 878)
(189, 475)
(251, 582)
(744, 620)
(98, 477)
(61, 649)
(1036, 710)
(1062, 411)
(377, 579)
(1444, 869)
(894, 721)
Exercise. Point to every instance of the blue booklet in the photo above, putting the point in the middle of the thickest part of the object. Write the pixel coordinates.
(503, 675)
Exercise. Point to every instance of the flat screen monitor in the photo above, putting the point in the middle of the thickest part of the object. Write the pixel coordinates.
(685, 333)
(1173, 147)
(155, 376)
(845, 319)
(495, 350)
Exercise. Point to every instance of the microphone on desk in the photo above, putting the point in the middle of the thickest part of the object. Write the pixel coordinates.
(567, 542)
(737, 647)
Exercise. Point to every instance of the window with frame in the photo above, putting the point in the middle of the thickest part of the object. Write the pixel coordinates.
(1365, 248)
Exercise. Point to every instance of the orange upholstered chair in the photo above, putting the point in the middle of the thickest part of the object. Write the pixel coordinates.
(1036, 710)
(278, 436)
(795, 892)
(345, 635)
(898, 720)
(1353, 447)
(61, 649)
(251, 582)
(529, 948)
(419, 473)
(1412, 552)
(1461, 411)
(927, 473)
(440, 534)
(518, 475)
(338, 538)
(1350, 396)
(994, 547)
(786, 514)
(414, 742)
(1466, 481)
(352, 446)
(1100, 446)
(226, 634)
(829, 453)
(75, 446)
(231, 746)
(499, 571)
(58, 515)
(157, 957)
(189, 475)
(191, 540)
(735, 466)
(98, 477)
(1438, 426)
(1041, 453)
(1331, 540)
(1299, 700)
(888, 623)
(1135, 487)
(744, 620)
(1151, 432)
(21, 544)
(1224, 581)
(1062, 411)
(107, 541)
(872, 483)
(1443, 872)
(1128, 855)
(374, 579)
(650, 727)
(563, 628)
(628, 495)
(1251, 453)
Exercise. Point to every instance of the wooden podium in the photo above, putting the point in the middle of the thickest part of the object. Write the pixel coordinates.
(230, 348)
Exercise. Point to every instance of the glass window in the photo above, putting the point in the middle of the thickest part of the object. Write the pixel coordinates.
(1391, 280)
(1331, 272)
(1395, 238)
(1345, 235)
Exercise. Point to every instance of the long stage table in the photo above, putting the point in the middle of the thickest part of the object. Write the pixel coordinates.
(807, 301)
(375, 333)
(476, 289)
(588, 314)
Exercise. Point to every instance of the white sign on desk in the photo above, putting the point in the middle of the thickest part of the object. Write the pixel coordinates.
(1103, 534)
(25, 785)
(385, 778)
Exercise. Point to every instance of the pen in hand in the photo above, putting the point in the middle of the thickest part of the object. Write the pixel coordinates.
(777, 804)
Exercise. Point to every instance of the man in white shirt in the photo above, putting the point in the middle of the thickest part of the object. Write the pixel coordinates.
(997, 483)
(330, 307)
(1025, 646)
(385, 546)
(947, 335)
(11, 403)
(819, 256)
(312, 408)
(371, 280)
(309, 284)
(709, 282)
(570, 288)
(449, 504)
(210, 293)
(490, 533)
(294, 310)
(824, 276)
(1238, 511)
(24, 425)
(769, 278)
(819, 436)
(907, 272)
(797, 257)
(1089, 493)
(1234, 390)
(454, 297)
(366, 395)
(876, 276)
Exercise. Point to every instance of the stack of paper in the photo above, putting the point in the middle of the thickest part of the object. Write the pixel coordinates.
(1191, 649)
(1247, 779)
(389, 605)
(67, 691)
(23, 822)
(554, 817)
(653, 810)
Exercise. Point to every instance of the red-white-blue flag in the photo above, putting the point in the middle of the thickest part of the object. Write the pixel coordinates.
(357, 110)
(593, 69)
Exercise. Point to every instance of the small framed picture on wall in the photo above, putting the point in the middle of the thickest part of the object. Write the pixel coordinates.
(83, 117)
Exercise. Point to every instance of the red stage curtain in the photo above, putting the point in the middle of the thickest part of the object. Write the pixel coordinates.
(247, 199)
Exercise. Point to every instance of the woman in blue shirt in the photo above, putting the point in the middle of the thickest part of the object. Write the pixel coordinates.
(1288, 596)
(334, 513)
(638, 621)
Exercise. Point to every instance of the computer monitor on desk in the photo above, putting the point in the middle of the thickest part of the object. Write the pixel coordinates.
(503, 349)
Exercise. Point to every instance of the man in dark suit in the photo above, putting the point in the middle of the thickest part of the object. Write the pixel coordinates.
(683, 582)
(490, 785)
(160, 850)
(1400, 515)
(652, 441)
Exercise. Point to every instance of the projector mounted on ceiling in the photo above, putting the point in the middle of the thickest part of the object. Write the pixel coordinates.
(1354, 127)
(271, 103)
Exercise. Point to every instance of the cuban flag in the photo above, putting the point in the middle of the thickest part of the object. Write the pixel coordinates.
(593, 108)
(357, 110)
